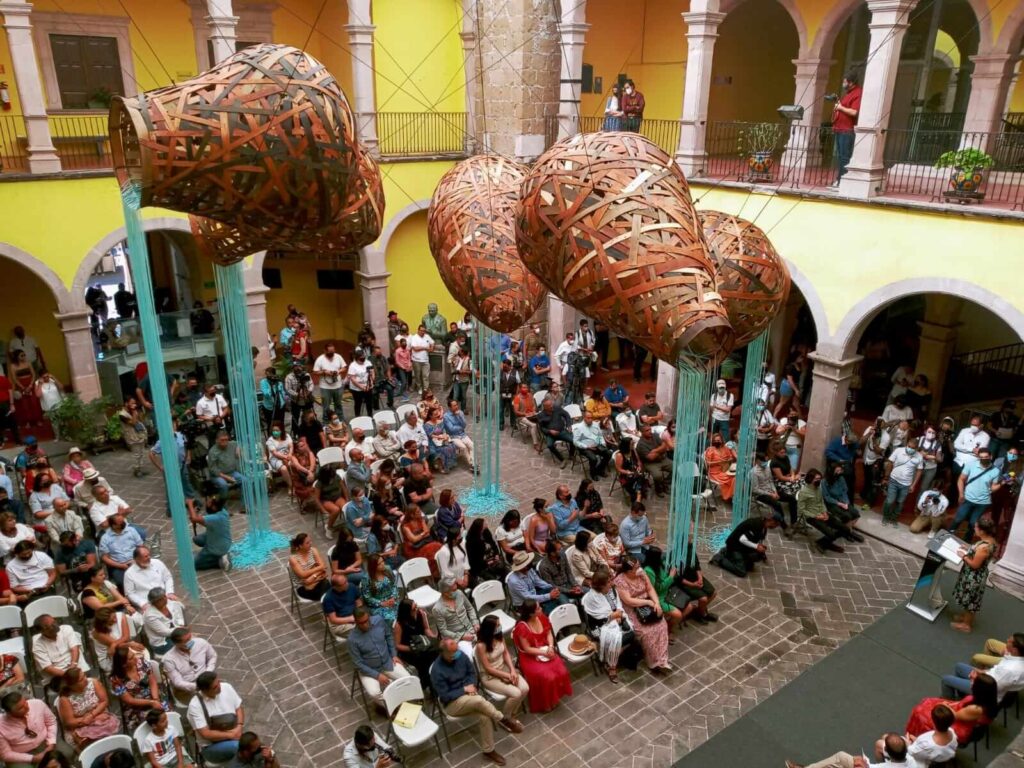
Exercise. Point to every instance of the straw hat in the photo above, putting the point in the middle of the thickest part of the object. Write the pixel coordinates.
(580, 645)
(521, 561)
(90, 474)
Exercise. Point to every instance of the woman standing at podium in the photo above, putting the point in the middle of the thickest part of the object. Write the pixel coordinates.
(970, 584)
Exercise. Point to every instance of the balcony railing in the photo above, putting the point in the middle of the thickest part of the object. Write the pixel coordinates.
(664, 133)
(800, 157)
(422, 134)
(13, 154)
(81, 141)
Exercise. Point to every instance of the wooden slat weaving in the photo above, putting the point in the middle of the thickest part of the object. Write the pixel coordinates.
(752, 277)
(264, 141)
(606, 222)
(471, 228)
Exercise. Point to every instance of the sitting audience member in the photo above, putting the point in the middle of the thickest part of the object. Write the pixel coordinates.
(416, 538)
(383, 541)
(540, 526)
(555, 570)
(63, 519)
(144, 575)
(455, 616)
(894, 752)
(110, 630)
(745, 545)
(498, 673)
(589, 441)
(105, 506)
(453, 678)
(43, 497)
(543, 668)
(12, 672)
(84, 709)
(385, 444)
(636, 532)
(643, 607)
(978, 708)
(510, 535)
(811, 507)
(358, 513)
(161, 617)
(937, 746)
(609, 546)
(591, 506)
(556, 427)
(842, 512)
(691, 580)
(652, 452)
(764, 491)
(101, 593)
(30, 573)
(188, 658)
(357, 473)
(217, 717)
(415, 640)
(525, 409)
(418, 489)
(566, 515)
(1008, 672)
(12, 532)
(996, 651)
(56, 649)
(379, 590)
(372, 648)
(583, 559)
(74, 558)
(524, 584)
(663, 579)
(84, 492)
(346, 557)
(307, 569)
(452, 560)
(133, 681)
(162, 745)
(279, 452)
(485, 559)
(604, 612)
(449, 514)
(28, 730)
(339, 605)
(117, 547)
(252, 752)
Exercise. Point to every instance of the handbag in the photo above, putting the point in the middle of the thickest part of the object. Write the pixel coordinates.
(647, 615)
(677, 596)
(224, 722)
(419, 643)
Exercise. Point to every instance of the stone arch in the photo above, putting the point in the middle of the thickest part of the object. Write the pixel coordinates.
(398, 218)
(814, 302)
(1012, 32)
(65, 300)
(92, 258)
(794, 14)
(852, 326)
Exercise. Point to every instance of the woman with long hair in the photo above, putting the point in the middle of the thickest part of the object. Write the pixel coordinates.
(27, 409)
(279, 452)
(307, 569)
(110, 630)
(440, 447)
(510, 535)
(592, 514)
(662, 580)
(449, 514)
(540, 527)
(302, 467)
(980, 708)
(485, 560)
(385, 489)
(637, 593)
(382, 541)
(346, 557)
(379, 590)
(628, 472)
(542, 667)
(452, 560)
(416, 538)
(330, 495)
(84, 709)
(415, 640)
(133, 682)
(497, 672)
(99, 593)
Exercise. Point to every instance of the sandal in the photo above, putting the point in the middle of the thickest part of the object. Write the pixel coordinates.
(959, 626)
(613, 675)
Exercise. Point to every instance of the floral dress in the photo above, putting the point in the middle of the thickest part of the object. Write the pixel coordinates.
(440, 448)
(653, 637)
(381, 597)
(970, 584)
(82, 703)
(137, 689)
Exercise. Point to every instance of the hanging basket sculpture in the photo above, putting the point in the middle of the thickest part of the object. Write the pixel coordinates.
(752, 277)
(263, 142)
(471, 228)
(606, 222)
(357, 226)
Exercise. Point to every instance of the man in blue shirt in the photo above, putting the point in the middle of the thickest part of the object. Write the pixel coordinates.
(566, 513)
(117, 548)
(372, 648)
(215, 543)
(453, 679)
(339, 605)
(616, 395)
(635, 531)
(524, 584)
(976, 483)
(589, 439)
(358, 512)
(540, 370)
(184, 457)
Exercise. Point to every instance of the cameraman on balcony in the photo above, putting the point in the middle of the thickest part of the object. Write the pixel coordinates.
(844, 119)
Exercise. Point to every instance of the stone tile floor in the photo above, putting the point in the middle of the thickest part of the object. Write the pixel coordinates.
(776, 623)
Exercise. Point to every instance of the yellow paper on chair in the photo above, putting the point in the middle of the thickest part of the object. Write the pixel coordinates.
(408, 714)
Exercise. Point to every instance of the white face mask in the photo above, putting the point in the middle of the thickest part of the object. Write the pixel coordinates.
(975, 429)
(930, 434)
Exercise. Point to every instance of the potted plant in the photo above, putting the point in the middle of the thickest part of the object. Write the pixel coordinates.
(101, 98)
(83, 424)
(969, 170)
(756, 143)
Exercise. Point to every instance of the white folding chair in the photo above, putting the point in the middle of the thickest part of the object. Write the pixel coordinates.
(331, 455)
(385, 417)
(538, 397)
(418, 568)
(54, 605)
(574, 412)
(376, 465)
(364, 423)
(409, 689)
(297, 600)
(97, 749)
(489, 592)
(568, 617)
(401, 410)
(11, 617)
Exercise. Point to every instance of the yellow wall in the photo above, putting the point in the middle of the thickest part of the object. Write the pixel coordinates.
(646, 42)
(334, 314)
(753, 69)
(1017, 99)
(32, 305)
(418, 56)
(414, 280)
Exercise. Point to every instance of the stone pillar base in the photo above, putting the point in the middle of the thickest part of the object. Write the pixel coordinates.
(85, 380)
(692, 164)
(827, 406)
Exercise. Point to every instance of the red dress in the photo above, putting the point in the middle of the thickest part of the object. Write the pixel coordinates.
(921, 718)
(549, 680)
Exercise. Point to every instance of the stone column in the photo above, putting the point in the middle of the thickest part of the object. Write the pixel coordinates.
(803, 150)
(222, 22)
(42, 156)
(360, 42)
(828, 404)
(373, 282)
(992, 76)
(469, 63)
(933, 356)
(1008, 573)
(75, 327)
(667, 388)
(572, 31)
(702, 22)
(865, 175)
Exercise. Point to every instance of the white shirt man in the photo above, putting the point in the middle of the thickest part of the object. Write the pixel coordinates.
(925, 752)
(58, 652)
(893, 414)
(1008, 674)
(420, 346)
(967, 444)
(30, 574)
(329, 369)
(414, 433)
(905, 465)
(21, 533)
(365, 445)
(628, 427)
(211, 408)
(182, 667)
(138, 581)
(101, 513)
(870, 456)
(158, 627)
(562, 353)
(766, 392)
(226, 702)
(722, 402)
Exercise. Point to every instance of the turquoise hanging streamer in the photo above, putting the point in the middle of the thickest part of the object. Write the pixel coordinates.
(260, 541)
(688, 462)
(138, 258)
(749, 416)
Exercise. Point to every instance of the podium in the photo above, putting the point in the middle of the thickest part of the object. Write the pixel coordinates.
(926, 600)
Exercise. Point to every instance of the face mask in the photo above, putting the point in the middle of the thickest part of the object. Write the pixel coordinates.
(975, 429)
(930, 434)
(910, 451)
(189, 645)
(276, 433)
(1011, 457)
(986, 462)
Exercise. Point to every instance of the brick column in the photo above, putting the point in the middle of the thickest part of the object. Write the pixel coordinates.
(1008, 573)
(42, 156)
(373, 282)
(829, 389)
(992, 75)
(75, 327)
(803, 150)
(572, 31)
(865, 174)
(701, 32)
(222, 22)
(360, 42)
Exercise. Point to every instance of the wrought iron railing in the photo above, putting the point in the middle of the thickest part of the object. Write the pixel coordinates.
(13, 153)
(664, 133)
(81, 141)
(422, 134)
(985, 374)
(787, 156)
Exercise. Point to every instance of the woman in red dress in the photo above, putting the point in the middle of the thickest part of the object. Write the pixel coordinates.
(542, 667)
(980, 708)
(27, 409)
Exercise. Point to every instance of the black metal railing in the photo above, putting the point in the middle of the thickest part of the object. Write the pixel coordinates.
(664, 133)
(422, 134)
(986, 374)
(81, 141)
(13, 145)
(787, 155)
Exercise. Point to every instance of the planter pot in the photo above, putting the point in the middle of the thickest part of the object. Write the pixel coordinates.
(760, 165)
(967, 182)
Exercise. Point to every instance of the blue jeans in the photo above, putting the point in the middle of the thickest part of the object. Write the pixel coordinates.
(971, 512)
(793, 454)
(220, 752)
(205, 560)
(957, 683)
(330, 399)
(895, 495)
(844, 151)
(222, 484)
(722, 428)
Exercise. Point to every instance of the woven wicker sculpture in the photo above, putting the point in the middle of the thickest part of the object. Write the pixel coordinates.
(752, 277)
(606, 222)
(264, 141)
(471, 227)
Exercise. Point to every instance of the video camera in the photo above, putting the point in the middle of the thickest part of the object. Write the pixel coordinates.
(831, 97)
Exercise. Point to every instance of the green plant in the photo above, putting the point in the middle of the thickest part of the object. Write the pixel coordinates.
(965, 158)
(113, 430)
(102, 96)
(758, 137)
(84, 424)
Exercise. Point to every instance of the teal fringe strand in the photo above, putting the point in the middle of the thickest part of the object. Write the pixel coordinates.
(138, 258)
(752, 377)
(256, 548)
(488, 497)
